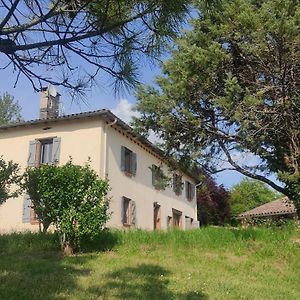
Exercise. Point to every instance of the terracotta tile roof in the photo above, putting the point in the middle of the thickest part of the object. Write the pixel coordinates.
(281, 206)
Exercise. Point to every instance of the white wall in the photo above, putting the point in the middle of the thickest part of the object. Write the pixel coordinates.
(79, 139)
(139, 188)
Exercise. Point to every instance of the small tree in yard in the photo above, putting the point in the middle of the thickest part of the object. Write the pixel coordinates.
(8, 176)
(72, 198)
(212, 202)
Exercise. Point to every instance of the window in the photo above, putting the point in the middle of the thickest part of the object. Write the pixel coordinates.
(128, 161)
(189, 190)
(128, 212)
(188, 222)
(169, 222)
(177, 184)
(159, 180)
(176, 218)
(46, 147)
(43, 151)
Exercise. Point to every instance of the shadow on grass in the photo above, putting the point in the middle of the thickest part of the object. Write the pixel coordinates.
(32, 267)
(143, 282)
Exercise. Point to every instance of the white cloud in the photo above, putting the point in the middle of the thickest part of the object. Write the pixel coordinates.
(124, 111)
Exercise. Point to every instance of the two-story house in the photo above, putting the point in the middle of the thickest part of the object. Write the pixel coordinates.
(133, 166)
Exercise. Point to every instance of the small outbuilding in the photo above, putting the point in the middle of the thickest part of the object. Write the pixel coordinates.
(275, 210)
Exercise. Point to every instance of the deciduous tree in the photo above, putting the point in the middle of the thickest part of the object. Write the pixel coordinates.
(213, 202)
(248, 194)
(10, 111)
(9, 176)
(72, 198)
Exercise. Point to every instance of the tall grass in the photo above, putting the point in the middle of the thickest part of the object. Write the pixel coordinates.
(206, 238)
(209, 263)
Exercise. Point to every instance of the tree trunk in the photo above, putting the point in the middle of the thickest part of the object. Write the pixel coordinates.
(66, 246)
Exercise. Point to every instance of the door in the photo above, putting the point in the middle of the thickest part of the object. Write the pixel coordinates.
(157, 218)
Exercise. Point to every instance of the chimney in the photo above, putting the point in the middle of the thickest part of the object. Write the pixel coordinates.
(49, 103)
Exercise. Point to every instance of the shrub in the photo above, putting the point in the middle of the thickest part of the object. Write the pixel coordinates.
(72, 198)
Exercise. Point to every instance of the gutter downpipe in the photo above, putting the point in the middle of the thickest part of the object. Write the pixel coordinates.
(105, 159)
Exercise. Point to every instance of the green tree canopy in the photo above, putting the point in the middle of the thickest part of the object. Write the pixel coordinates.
(231, 88)
(72, 198)
(10, 110)
(9, 176)
(248, 194)
(68, 43)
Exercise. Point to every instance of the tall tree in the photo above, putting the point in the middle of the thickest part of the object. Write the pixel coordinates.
(231, 88)
(76, 39)
(10, 110)
(248, 194)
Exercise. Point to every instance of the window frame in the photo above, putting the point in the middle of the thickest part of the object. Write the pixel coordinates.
(190, 190)
(128, 161)
(126, 223)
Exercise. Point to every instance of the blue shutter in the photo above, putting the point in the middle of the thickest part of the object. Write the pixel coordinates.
(26, 209)
(31, 154)
(56, 150)
(133, 163)
(133, 213)
(123, 158)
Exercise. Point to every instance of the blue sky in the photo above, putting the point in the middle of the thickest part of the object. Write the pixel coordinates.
(99, 97)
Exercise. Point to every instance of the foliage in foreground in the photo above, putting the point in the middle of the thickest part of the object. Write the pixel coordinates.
(9, 176)
(210, 263)
(70, 197)
(231, 90)
(248, 194)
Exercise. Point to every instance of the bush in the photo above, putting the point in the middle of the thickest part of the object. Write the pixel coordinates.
(72, 198)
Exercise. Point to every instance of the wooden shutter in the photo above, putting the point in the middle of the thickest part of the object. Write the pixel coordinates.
(31, 154)
(56, 150)
(133, 213)
(123, 210)
(123, 158)
(186, 189)
(193, 190)
(133, 163)
(26, 209)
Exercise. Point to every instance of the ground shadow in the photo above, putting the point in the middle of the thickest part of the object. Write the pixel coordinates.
(143, 282)
(36, 274)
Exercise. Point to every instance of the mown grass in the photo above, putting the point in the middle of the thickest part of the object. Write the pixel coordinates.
(210, 263)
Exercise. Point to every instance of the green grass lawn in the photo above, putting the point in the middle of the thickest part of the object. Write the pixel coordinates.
(210, 263)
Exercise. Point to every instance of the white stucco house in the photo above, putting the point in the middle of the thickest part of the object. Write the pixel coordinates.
(116, 153)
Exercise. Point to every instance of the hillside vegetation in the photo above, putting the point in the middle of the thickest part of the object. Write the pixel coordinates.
(210, 263)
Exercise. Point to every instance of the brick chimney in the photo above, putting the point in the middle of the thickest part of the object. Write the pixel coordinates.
(49, 103)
